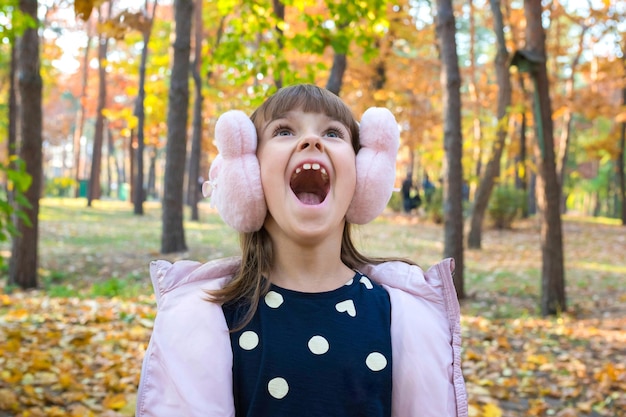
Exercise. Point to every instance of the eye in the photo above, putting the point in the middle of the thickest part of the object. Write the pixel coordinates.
(334, 133)
(282, 131)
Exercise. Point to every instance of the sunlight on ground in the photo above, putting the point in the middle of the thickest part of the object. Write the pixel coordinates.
(595, 266)
(589, 219)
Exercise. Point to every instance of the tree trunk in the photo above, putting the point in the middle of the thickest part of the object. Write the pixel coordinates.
(453, 141)
(473, 92)
(620, 164)
(139, 195)
(94, 191)
(193, 178)
(13, 114)
(119, 168)
(109, 160)
(24, 258)
(279, 11)
(561, 159)
(492, 171)
(152, 192)
(132, 145)
(173, 233)
(80, 114)
(13, 105)
(521, 174)
(552, 274)
(335, 80)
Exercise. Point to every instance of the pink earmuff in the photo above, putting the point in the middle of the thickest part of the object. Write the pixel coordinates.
(235, 176)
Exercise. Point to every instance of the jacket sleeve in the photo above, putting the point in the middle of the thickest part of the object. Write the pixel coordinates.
(187, 368)
(425, 331)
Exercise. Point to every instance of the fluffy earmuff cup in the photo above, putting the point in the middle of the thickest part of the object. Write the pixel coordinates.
(375, 165)
(235, 175)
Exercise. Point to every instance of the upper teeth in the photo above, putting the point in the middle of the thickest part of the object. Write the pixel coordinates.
(313, 166)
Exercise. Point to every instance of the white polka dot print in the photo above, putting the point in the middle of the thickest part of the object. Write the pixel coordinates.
(346, 306)
(318, 345)
(376, 361)
(273, 299)
(347, 284)
(248, 340)
(365, 281)
(278, 388)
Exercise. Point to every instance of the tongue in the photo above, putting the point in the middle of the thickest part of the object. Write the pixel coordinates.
(309, 198)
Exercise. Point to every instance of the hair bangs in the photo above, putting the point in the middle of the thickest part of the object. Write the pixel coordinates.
(309, 99)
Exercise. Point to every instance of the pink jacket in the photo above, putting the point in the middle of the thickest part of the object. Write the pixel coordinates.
(187, 369)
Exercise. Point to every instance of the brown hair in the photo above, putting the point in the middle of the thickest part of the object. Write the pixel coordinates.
(249, 283)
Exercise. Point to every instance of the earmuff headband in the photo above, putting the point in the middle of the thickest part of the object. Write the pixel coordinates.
(235, 175)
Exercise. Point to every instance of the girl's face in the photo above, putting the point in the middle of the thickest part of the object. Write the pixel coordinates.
(308, 174)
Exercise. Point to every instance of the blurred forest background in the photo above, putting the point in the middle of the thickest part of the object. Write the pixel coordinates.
(507, 108)
(512, 114)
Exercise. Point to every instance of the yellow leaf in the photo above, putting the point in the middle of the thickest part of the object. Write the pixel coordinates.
(474, 410)
(491, 410)
(114, 402)
(40, 362)
(65, 380)
(8, 400)
(55, 412)
(485, 382)
(5, 300)
(80, 410)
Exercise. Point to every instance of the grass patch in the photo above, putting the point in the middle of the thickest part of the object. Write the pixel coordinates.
(116, 287)
(105, 250)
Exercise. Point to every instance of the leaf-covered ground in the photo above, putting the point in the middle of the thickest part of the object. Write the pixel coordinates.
(74, 347)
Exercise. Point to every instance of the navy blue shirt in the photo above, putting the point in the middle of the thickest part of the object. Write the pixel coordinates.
(314, 354)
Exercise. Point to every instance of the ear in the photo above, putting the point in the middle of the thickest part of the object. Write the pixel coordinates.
(235, 176)
(375, 165)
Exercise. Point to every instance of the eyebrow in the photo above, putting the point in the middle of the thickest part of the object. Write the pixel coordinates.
(272, 121)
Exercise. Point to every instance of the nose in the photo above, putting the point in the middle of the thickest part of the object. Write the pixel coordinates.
(311, 141)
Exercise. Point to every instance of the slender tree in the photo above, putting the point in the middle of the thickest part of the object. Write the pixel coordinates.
(80, 114)
(335, 80)
(492, 170)
(620, 161)
(139, 194)
(13, 105)
(340, 64)
(173, 232)
(474, 94)
(453, 140)
(25, 255)
(193, 192)
(553, 299)
(279, 12)
(96, 154)
(13, 114)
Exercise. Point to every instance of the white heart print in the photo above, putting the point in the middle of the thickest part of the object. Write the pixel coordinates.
(365, 281)
(346, 306)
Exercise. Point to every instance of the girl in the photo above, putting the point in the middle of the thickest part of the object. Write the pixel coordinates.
(303, 324)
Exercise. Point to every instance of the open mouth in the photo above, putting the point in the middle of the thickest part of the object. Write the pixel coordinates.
(310, 183)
